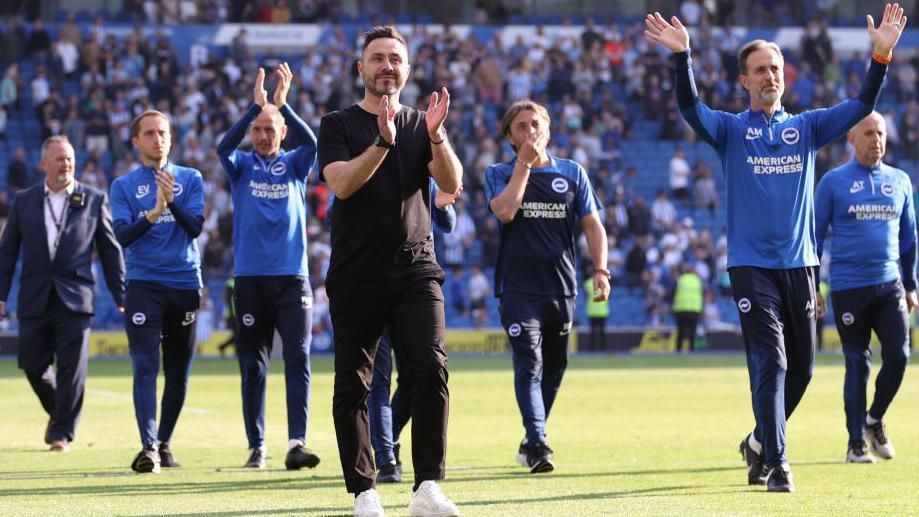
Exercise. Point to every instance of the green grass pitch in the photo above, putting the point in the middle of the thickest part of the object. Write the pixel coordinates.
(649, 435)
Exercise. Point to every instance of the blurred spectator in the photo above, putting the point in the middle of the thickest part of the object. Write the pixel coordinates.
(9, 87)
(663, 213)
(635, 264)
(39, 46)
(680, 173)
(17, 175)
(459, 296)
(639, 218)
(614, 261)
(704, 190)
(458, 242)
(711, 315)
(479, 290)
(3, 119)
(13, 41)
(816, 47)
(692, 13)
(69, 31)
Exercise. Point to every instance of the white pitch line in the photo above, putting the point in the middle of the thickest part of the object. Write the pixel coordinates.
(130, 398)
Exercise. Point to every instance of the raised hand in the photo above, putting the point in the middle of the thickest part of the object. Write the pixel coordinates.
(444, 199)
(672, 35)
(285, 77)
(533, 147)
(437, 113)
(259, 95)
(386, 120)
(165, 183)
(885, 36)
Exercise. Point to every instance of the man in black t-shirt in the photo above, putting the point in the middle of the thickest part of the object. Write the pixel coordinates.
(377, 157)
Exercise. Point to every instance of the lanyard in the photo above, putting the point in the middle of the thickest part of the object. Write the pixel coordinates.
(58, 222)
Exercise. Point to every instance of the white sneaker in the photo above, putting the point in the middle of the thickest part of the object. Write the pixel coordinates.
(430, 501)
(367, 504)
(877, 437)
(858, 453)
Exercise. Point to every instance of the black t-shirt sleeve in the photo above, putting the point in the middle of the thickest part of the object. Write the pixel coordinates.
(332, 145)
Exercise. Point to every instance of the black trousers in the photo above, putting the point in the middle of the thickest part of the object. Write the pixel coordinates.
(597, 334)
(778, 320)
(686, 324)
(58, 336)
(414, 310)
(161, 323)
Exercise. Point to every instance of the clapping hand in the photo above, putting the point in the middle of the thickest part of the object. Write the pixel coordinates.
(285, 77)
(386, 120)
(165, 184)
(437, 113)
(259, 94)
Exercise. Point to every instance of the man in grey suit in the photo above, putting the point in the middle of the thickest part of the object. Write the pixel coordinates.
(57, 225)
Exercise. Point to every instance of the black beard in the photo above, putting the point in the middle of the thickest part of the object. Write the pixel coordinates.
(371, 86)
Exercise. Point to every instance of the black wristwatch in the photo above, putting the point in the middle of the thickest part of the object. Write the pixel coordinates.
(380, 142)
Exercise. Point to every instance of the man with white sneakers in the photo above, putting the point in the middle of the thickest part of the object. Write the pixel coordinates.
(378, 157)
(869, 206)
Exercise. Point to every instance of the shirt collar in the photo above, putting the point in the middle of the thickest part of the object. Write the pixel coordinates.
(759, 115)
(867, 168)
(69, 189)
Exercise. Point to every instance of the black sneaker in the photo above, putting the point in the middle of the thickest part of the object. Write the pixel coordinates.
(858, 453)
(390, 473)
(147, 461)
(756, 463)
(780, 480)
(536, 457)
(300, 457)
(167, 460)
(256, 459)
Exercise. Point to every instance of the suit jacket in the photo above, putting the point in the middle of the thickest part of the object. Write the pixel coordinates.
(70, 273)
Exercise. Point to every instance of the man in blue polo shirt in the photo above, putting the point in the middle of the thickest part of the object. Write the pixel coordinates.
(272, 288)
(541, 200)
(869, 206)
(158, 211)
(768, 158)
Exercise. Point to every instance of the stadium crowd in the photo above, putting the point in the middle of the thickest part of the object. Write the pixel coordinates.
(88, 84)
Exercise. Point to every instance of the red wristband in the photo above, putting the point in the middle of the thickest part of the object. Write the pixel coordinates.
(884, 60)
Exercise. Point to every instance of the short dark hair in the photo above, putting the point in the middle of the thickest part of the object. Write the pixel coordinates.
(383, 31)
(753, 46)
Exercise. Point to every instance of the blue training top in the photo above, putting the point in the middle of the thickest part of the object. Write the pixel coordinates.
(536, 254)
(269, 199)
(870, 210)
(769, 168)
(164, 252)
